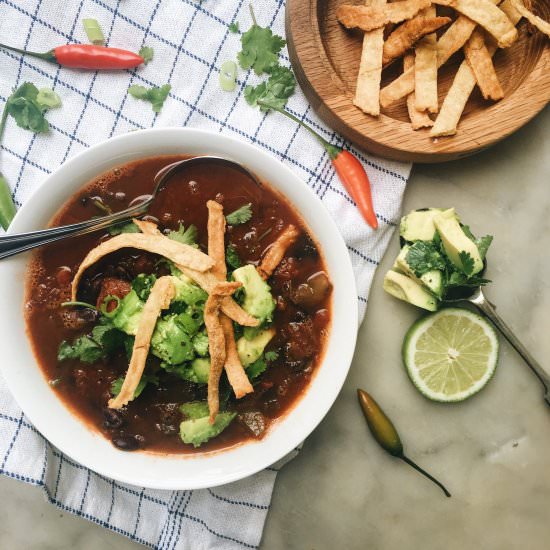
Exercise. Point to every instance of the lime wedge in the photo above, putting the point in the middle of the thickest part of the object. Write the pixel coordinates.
(450, 355)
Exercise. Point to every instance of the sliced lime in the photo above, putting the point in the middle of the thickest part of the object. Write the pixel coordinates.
(450, 355)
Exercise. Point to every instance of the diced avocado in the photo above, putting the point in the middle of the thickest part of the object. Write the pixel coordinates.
(258, 300)
(128, 313)
(195, 409)
(200, 344)
(251, 350)
(201, 368)
(187, 291)
(196, 371)
(197, 431)
(418, 225)
(455, 241)
(406, 289)
(432, 280)
(171, 342)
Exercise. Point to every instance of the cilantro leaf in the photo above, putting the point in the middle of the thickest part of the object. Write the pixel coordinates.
(48, 99)
(83, 349)
(255, 369)
(467, 262)
(423, 257)
(155, 96)
(102, 342)
(271, 355)
(129, 227)
(185, 236)
(275, 92)
(483, 244)
(147, 53)
(231, 257)
(143, 284)
(234, 27)
(28, 112)
(239, 216)
(260, 49)
(116, 386)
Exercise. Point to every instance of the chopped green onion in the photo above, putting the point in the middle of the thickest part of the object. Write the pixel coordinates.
(48, 98)
(228, 76)
(93, 31)
(81, 304)
(107, 300)
(7, 207)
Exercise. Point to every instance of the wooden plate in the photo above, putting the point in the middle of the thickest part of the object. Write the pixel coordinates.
(325, 58)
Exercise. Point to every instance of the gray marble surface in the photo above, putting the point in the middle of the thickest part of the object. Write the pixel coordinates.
(492, 451)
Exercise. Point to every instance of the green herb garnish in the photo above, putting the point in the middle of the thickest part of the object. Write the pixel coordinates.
(116, 385)
(185, 236)
(234, 27)
(423, 257)
(271, 355)
(129, 227)
(275, 91)
(260, 48)
(231, 257)
(147, 53)
(240, 216)
(155, 96)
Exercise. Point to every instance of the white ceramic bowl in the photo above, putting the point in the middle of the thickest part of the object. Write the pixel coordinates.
(64, 430)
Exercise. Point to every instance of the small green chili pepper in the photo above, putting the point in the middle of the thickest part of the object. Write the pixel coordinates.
(386, 435)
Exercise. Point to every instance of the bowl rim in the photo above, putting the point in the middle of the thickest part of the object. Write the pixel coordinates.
(218, 468)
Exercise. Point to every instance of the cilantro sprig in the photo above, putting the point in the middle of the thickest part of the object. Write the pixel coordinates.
(260, 48)
(240, 216)
(155, 96)
(184, 235)
(274, 92)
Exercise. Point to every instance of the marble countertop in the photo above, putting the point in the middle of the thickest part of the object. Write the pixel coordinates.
(491, 451)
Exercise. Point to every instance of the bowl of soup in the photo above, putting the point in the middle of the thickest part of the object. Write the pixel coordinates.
(194, 346)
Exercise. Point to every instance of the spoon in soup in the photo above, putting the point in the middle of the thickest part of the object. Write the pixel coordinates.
(10, 245)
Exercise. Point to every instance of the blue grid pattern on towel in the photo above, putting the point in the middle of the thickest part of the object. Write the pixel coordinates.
(191, 40)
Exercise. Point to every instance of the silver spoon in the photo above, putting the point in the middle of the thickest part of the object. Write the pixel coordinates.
(478, 299)
(10, 245)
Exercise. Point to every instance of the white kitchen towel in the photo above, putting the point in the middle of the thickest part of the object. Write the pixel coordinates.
(191, 39)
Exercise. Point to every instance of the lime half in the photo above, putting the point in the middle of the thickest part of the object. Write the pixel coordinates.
(450, 355)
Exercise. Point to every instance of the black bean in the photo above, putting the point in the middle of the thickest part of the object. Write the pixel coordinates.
(112, 419)
(126, 442)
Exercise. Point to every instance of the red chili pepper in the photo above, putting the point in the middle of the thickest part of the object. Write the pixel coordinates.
(87, 56)
(348, 167)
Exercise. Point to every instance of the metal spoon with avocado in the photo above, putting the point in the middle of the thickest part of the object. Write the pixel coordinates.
(441, 262)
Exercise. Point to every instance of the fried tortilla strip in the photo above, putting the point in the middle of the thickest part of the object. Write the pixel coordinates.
(277, 250)
(409, 33)
(489, 16)
(179, 253)
(162, 293)
(216, 250)
(216, 347)
(367, 93)
(535, 20)
(371, 17)
(419, 119)
(425, 71)
(481, 63)
(216, 238)
(147, 228)
(462, 87)
(449, 43)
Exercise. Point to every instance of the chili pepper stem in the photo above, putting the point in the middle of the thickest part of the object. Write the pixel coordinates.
(332, 150)
(426, 474)
(46, 56)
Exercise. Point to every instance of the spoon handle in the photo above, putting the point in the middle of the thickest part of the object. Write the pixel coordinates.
(481, 302)
(10, 245)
